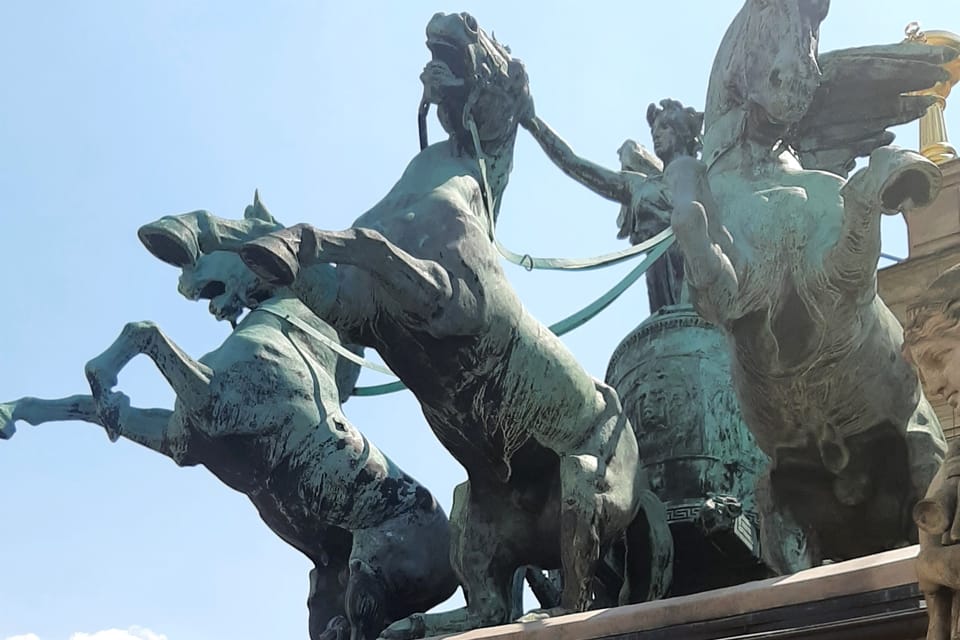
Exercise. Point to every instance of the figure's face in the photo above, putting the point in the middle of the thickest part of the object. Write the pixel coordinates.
(938, 362)
(666, 139)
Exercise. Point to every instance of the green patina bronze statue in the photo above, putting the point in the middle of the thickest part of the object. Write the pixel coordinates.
(638, 186)
(262, 413)
(673, 375)
(783, 259)
(776, 251)
(552, 463)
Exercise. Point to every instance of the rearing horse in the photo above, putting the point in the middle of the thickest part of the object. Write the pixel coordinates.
(551, 460)
(262, 413)
(784, 258)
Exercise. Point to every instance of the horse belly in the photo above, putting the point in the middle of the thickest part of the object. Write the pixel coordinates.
(545, 389)
(854, 381)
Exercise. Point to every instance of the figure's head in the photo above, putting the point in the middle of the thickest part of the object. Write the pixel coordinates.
(471, 75)
(931, 339)
(675, 130)
(767, 62)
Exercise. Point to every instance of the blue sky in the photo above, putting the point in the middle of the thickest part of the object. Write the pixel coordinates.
(115, 113)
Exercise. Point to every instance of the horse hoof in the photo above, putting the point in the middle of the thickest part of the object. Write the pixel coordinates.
(543, 614)
(406, 629)
(272, 259)
(171, 240)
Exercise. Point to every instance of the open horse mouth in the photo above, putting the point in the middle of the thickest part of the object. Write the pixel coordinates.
(765, 126)
(448, 54)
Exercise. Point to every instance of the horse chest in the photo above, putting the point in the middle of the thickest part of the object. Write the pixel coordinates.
(767, 225)
(424, 218)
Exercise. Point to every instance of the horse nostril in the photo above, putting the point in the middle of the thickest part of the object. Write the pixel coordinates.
(775, 81)
(470, 22)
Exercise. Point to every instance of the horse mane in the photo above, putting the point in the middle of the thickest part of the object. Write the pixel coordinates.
(720, 96)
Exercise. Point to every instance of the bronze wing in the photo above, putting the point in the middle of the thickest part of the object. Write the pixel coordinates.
(863, 92)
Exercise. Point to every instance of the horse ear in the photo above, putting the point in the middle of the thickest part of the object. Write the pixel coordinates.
(257, 211)
(651, 113)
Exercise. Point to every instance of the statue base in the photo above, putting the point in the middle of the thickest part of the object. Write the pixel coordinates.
(871, 597)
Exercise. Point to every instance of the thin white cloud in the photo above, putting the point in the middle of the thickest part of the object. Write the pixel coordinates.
(133, 633)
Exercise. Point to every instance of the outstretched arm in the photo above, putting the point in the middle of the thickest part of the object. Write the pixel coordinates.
(604, 182)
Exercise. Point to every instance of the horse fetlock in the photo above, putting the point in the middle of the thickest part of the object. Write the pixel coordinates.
(101, 378)
(408, 628)
(110, 411)
(337, 629)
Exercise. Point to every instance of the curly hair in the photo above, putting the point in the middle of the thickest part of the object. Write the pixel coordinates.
(936, 311)
(686, 121)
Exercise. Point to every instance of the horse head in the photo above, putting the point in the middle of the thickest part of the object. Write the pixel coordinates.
(472, 77)
(218, 276)
(222, 278)
(765, 72)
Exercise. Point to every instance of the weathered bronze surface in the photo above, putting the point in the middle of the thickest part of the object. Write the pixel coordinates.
(262, 413)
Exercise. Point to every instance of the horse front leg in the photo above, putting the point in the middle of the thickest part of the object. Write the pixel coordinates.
(189, 379)
(36, 411)
(895, 180)
(416, 287)
(709, 253)
(149, 427)
(180, 240)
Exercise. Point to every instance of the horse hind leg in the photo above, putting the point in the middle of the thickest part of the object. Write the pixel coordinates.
(326, 603)
(365, 601)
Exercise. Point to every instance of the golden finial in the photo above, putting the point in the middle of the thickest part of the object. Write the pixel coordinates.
(933, 129)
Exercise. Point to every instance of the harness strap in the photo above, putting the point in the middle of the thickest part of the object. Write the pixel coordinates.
(569, 323)
(342, 351)
(654, 247)
(557, 264)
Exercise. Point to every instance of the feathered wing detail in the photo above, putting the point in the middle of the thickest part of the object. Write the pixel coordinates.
(637, 158)
(862, 94)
